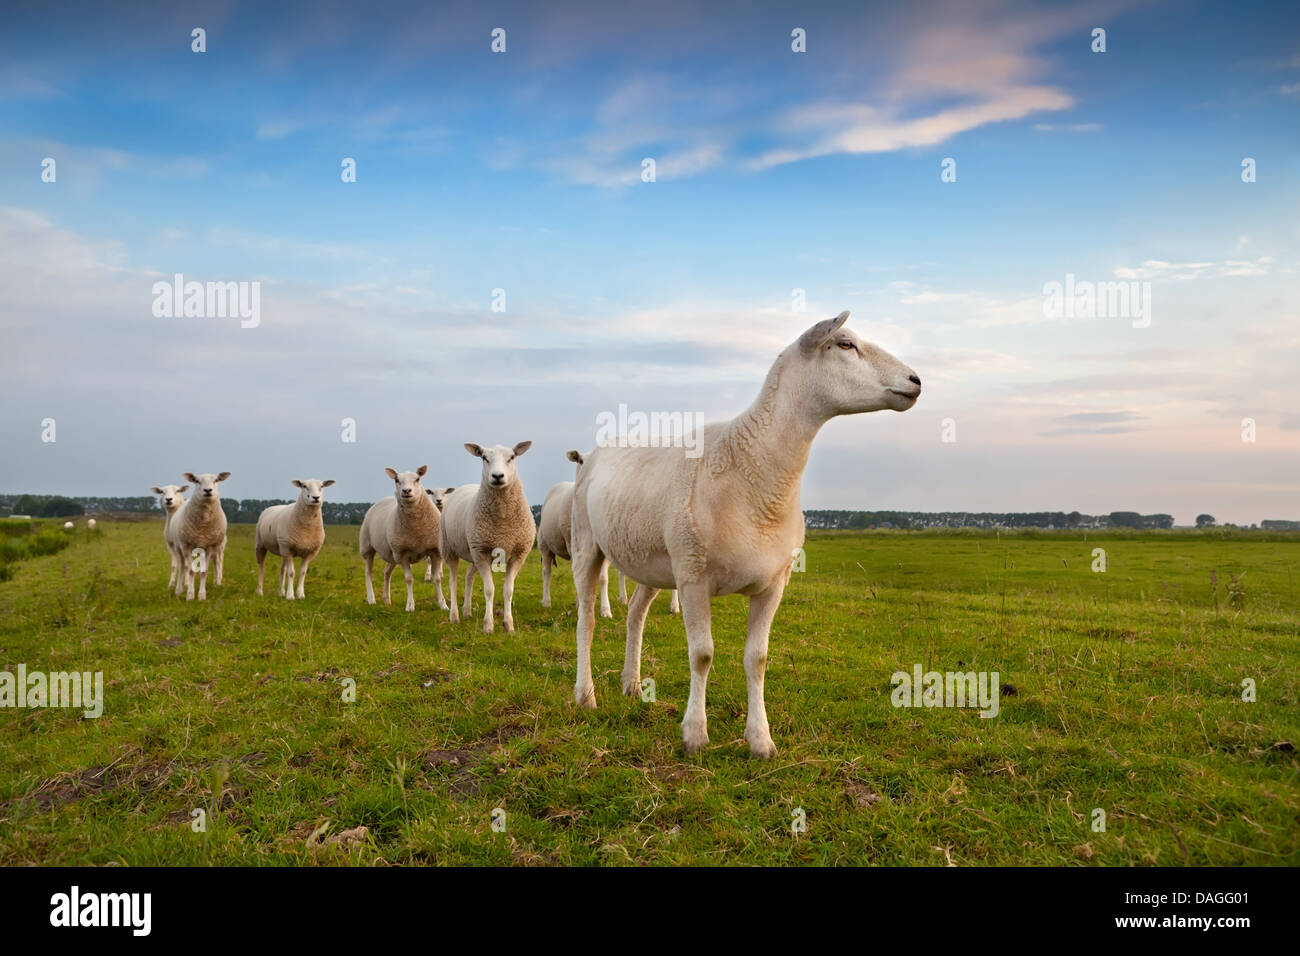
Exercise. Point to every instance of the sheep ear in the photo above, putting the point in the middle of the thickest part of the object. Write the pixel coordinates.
(296, 483)
(390, 473)
(422, 470)
(575, 456)
(522, 447)
(327, 482)
(156, 490)
(473, 449)
(447, 491)
(223, 476)
(816, 337)
(189, 476)
(183, 488)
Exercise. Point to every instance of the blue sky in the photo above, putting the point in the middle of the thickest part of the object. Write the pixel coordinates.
(776, 171)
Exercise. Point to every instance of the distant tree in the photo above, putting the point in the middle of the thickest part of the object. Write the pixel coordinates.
(1125, 519)
(59, 507)
(1072, 519)
(27, 505)
(1205, 521)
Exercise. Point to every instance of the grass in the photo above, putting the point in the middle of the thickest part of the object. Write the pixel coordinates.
(1122, 691)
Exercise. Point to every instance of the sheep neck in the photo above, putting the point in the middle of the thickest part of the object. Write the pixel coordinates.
(769, 444)
(498, 503)
(200, 510)
(302, 515)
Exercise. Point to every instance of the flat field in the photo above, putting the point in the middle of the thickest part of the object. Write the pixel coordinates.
(1120, 691)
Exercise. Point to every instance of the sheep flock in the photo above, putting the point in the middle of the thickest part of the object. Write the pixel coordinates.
(725, 521)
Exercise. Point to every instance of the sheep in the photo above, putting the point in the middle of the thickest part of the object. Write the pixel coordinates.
(439, 496)
(487, 522)
(292, 531)
(727, 521)
(197, 534)
(91, 524)
(170, 499)
(674, 606)
(402, 529)
(553, 538)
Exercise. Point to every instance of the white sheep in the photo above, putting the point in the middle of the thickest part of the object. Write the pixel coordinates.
(170, 497)
(487, 523)
(727, 521)
(91, 524)
(439, 498)
(553, 538)
(402, 529)
(197, 534)
(292, 531)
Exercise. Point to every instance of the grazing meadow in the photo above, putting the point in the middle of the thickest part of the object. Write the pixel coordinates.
(246, 730)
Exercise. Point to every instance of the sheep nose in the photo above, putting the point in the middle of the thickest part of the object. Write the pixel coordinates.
(497, 476)
(315, 497)
(914, 379)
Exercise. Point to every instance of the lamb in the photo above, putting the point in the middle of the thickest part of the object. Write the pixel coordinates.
(170, 499)
(439, 497)
(402, 529)
(197, 534)
(726, 522)
(553, 538)
(488, 522)
(292, 531)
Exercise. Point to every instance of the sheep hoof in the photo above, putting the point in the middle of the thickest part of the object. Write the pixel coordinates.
(585, 699)
(693, 741)
(442, 606)
(632, 686)
(762, 749)
(606, 612)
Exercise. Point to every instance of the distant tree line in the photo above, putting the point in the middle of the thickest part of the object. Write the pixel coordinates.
(246, 511)
(1058, 520)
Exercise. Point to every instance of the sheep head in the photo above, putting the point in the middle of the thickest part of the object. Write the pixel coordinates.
(498, 463)
(839, 373)
(407, 484)
(205, 486)
(312, 494)
(170, 496)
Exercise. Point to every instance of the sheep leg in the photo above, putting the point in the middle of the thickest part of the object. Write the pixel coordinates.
(699, 640)
(437, 582)
(468, 607)
(428, 572)
(637, 608)
(622, 587)
(302, 578)
(546, 577)
(762, 608)
(261, 568)
(676, 606)
(410, 585)
(388, 579)
(288, 589)
(286, 568)
(484, 564)
(453, 572)
(604, 590)
(586, 577)
(370, 570)
(220, 562)
(171, 580)
(508, 592)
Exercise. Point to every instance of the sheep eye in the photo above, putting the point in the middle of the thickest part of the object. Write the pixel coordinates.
(847, 345)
